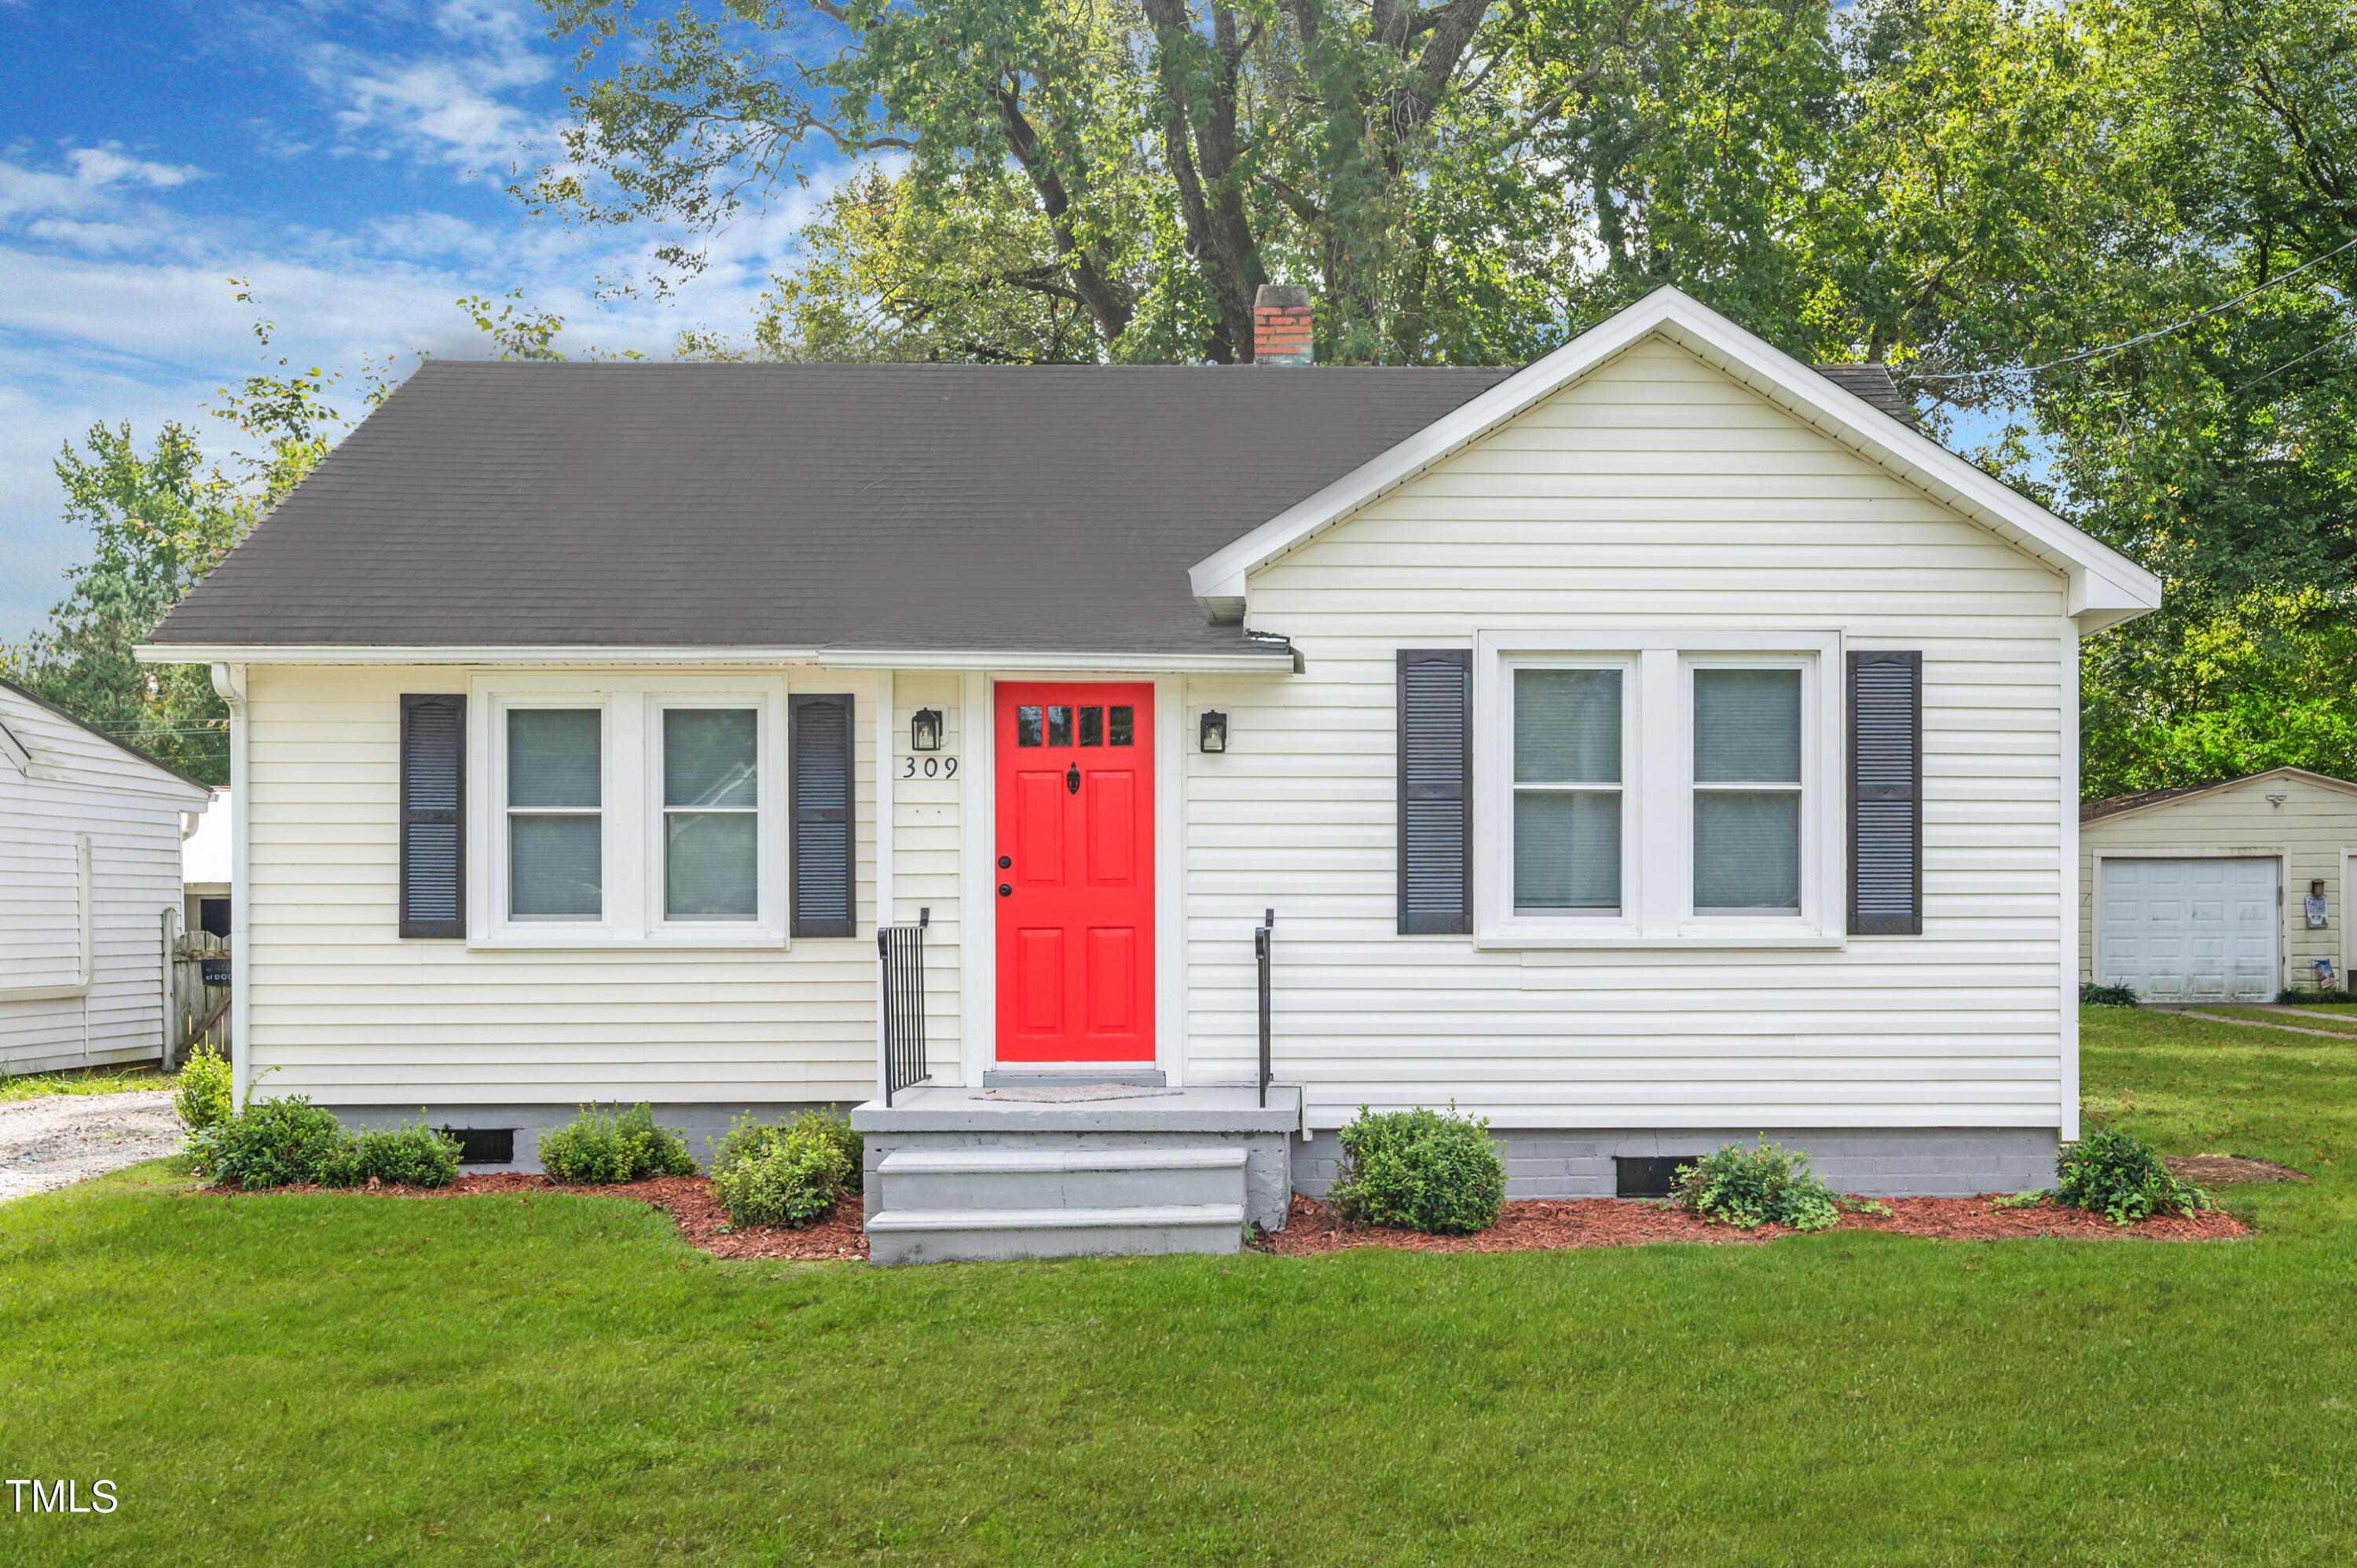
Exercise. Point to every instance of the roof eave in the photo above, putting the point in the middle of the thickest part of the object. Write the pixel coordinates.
(1275, 658)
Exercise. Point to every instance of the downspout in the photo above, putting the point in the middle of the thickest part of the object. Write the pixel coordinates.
(229, 681)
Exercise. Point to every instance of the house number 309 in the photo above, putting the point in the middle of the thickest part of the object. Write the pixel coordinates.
(934, 768)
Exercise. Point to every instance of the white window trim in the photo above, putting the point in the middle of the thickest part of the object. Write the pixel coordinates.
(1657, 788)
(631, 796)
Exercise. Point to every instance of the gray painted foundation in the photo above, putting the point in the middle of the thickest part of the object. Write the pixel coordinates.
(702, 1124)
(1925, 1162)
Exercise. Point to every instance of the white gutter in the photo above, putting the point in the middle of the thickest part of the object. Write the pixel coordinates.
(229, 680)
(1274, 660)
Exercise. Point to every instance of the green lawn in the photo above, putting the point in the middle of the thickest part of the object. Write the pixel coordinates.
(332, 1381)
(79, 1080)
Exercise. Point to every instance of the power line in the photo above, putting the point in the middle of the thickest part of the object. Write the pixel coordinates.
(2147, 337)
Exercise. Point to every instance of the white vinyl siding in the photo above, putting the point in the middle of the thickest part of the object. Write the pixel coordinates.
(346, 1010)
(83, 797)
(1655, 493)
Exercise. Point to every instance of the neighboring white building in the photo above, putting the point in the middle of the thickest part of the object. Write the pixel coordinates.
(205, 863)
(1662, 744)
(2218, 892)
(90, 871)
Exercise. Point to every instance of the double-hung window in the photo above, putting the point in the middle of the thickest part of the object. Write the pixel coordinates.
(1567, 787)
(712, 798)
(556, 815)
(1746, 791)
(1656, 789)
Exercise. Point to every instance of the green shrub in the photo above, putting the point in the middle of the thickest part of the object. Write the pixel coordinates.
(202, 1095)
(411, 1155)
(748, 1135)
(2094, 995)
(1420, 1170)
(595, 1149)
(2117, 1175)
(1752, 1187)
(791, 1174)
(272, 1143)
(2336, 997)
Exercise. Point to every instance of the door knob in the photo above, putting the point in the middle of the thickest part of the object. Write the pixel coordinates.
(1005, 889)
(1006, 862)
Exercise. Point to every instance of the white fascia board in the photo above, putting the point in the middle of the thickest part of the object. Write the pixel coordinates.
(1271, 660)
(2104, 583)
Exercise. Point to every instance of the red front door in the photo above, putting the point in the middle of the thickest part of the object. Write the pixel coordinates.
(1074, 871)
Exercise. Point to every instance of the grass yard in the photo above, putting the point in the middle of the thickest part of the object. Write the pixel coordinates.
(82, 1080)
(491, 1381)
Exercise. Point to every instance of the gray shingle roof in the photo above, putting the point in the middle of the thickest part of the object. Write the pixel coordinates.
(920, 507)
(846, 506)
(1875, 384)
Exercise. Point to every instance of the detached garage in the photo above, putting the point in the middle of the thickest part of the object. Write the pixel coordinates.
(2219, 892)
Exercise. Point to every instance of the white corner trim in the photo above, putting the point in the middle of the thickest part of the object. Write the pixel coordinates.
(2106, 587)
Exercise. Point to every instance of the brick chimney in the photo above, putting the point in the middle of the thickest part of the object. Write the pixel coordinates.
(1281, 322)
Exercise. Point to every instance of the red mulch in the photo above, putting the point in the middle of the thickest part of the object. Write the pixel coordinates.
(688, 1200)
(1546, 1224)
(1313, 1228)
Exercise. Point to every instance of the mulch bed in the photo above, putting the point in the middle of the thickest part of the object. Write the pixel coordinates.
(2220, 1170)
(1312, 1228)
(1548, 1224)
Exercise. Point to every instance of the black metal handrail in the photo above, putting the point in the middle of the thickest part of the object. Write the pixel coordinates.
(1264, 935)
(900, 957)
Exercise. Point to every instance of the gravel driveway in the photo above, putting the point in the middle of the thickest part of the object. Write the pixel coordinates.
(55, 1140)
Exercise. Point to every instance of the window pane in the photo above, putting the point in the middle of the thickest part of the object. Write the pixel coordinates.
(1026, 726)
(708, 757)
(1059, 726)
(1747, 726)
(553, 757)
(554, 865)
(1567, 726)
(709, 865)
(1124, 721)
(1091, 726)
(1566, 851)
(1747, 850)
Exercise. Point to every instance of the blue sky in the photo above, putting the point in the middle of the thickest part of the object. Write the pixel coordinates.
(345, 154)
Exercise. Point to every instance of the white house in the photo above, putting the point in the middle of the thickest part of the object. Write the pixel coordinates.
(89, 885)
(2228, 891)
(1659, 744)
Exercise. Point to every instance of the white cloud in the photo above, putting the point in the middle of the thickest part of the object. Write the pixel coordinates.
(108, 166)
(448, 106)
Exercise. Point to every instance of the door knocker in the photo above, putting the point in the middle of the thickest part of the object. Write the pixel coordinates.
(1072, 779)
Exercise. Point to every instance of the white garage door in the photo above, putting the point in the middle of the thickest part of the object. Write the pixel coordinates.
(2190, 931)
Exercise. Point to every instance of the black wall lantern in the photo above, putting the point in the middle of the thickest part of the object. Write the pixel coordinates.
(1213, 731)
(925, 730)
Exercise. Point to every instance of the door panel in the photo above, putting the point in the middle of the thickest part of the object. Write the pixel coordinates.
(2190, 931)
(1075, 818)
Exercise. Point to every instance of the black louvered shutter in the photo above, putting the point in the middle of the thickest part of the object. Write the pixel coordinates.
(818, 814)
(433, 816)
(1436, 790)
(1886, 794)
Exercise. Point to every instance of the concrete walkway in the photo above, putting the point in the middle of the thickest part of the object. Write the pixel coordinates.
(55, 1140)
(2259, 1024)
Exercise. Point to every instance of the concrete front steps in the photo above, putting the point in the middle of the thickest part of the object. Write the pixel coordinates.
(963, 1175)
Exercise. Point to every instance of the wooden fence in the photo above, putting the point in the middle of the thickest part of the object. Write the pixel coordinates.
(199, 985)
